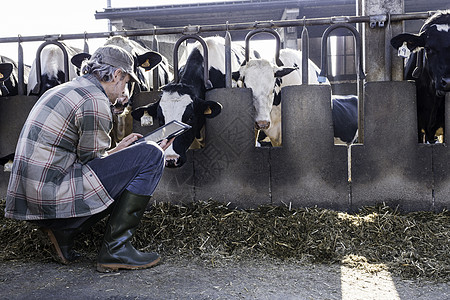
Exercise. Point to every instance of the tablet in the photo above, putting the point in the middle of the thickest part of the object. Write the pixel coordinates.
(170, 130)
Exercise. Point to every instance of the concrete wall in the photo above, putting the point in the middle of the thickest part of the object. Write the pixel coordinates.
(308, 169)
(13, 113)
(391, 166)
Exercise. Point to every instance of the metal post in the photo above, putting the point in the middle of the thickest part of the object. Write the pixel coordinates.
(155, 47)
(266, 30)
(37, 88)
(86, 45)
(358, 54)
(20, 66)
(305, 55)
(388, 50)
(359, 70)
(108, 5)
(208, 84)
(227, 59)
(376, 36)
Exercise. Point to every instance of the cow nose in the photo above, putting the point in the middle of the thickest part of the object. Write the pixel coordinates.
(172, 161)
(445, 83)
(262, 124)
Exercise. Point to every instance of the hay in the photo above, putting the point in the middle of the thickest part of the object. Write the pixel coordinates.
(415, 245)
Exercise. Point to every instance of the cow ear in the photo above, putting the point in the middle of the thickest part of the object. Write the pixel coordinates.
(235, 75)
(5, 71)
(78, 59)
(151, 109)
(280, 72)
(413, 41)
(211, 109)
(149, 60)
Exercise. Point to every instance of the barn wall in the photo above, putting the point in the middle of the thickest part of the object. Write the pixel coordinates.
(308, 169)
(391, 166)
(13, 113)
(441, 165)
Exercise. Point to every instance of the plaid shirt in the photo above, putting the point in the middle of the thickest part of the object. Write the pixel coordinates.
(67, 127)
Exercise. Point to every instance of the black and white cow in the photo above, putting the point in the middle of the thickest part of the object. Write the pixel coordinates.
(266, 79)
(429, 66)
(9, 80)
(144, 60)
(344, 110)
(52, 69)
(9, 76)
(185, 100)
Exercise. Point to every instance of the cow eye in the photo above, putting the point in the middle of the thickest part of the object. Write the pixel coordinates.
(430, 51)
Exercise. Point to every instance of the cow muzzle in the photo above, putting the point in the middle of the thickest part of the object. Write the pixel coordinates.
(445, 84)
(261, 125)
(119, 106)
(173, 161)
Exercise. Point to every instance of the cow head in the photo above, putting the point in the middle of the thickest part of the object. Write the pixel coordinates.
(434, 39)
(146, 62)
(178, 103)
(53, 69)
(5, 72)
(263, 78)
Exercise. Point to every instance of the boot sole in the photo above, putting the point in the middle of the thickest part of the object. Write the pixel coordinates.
(106, 268)
(59, 256)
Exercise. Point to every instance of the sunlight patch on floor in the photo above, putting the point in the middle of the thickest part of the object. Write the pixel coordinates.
(359, 284)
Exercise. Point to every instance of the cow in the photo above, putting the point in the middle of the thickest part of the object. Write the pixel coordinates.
(429, 66)
(52, 69)
(9, 76)
(185, 100)
(145, 60)
(266, 80)
(9, 81)
(141, 53)
(344, 112)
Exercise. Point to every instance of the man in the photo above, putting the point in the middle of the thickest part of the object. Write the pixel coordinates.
(64, 178)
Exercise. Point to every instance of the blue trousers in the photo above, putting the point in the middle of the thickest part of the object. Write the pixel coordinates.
(137, 168)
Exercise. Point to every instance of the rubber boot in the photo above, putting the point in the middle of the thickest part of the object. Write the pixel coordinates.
(116, 251)
(63, 240)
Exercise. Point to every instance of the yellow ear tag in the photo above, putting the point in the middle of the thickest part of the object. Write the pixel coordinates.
(208, 111)
(146, 120)
(145, 64)
(1, 76)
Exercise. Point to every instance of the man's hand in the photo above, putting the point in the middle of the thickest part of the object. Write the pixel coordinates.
(166, 143)
(127, 141)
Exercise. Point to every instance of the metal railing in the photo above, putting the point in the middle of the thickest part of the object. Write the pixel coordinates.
(377, 20)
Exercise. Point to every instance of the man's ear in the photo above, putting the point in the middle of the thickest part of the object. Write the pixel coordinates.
(118, 74)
